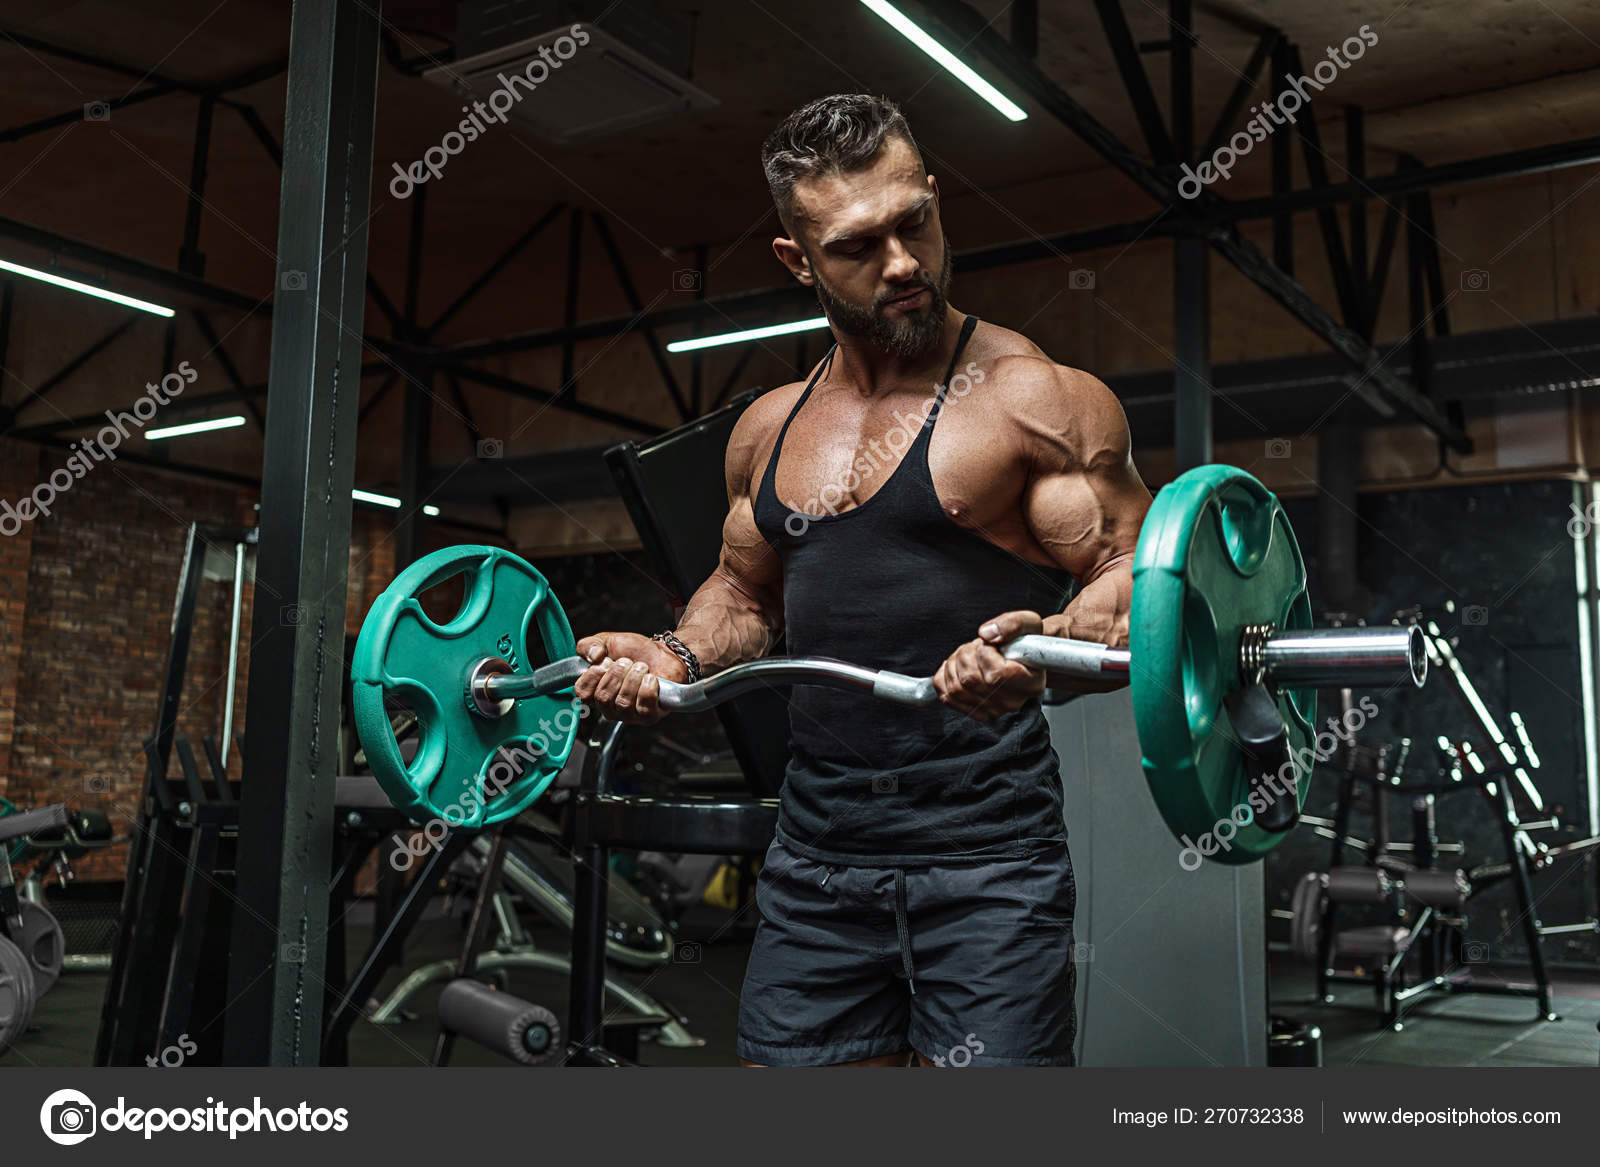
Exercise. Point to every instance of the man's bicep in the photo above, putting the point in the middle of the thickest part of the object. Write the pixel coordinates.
(748, 561)
(1086, 502)
(1087, 521)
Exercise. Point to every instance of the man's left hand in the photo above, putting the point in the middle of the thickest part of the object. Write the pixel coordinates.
(980, 682)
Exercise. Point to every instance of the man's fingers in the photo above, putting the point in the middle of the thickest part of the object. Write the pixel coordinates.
(953, 683)
(611, 683)
(648, 705)
(628, 689)
(1010, 625)
(949, 688)
(996, 669)
(969, 669)
(593, 649)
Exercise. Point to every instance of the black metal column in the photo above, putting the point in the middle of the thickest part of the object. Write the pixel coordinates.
(1191, 281)
(1191, 294)
(416, 439)
(279, 939)
(416, 426)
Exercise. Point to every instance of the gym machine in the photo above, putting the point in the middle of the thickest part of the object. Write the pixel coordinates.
(596, 822)
(31, 945)
(1422, 949)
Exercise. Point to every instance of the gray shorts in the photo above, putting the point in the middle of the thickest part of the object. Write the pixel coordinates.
(968, 964)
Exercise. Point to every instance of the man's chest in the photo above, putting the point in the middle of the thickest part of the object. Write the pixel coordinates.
(838, 454)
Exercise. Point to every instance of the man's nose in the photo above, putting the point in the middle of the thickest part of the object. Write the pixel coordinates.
(900, 265)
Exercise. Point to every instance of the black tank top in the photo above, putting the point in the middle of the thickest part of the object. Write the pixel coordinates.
(895, 583)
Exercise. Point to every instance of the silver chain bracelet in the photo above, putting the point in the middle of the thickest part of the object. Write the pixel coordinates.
(682, 651)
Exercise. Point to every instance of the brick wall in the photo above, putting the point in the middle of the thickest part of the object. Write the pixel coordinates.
(86, 598)
(18, 473)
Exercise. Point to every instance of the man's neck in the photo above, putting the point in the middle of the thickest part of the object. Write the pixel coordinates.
(869, 370)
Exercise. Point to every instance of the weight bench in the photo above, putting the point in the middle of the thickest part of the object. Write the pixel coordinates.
(596, 822)
(42, 821)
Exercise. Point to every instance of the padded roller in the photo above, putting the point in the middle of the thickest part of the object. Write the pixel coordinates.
(1359, 885)
(1445, 890)
(517, 1029)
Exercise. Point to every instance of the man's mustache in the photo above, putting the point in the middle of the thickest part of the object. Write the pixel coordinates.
(923, 282)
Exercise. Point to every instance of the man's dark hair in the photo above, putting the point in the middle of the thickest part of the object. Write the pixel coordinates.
(831, 135)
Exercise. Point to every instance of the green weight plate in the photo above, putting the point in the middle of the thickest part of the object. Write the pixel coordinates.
(469, 770)
(1216, 553)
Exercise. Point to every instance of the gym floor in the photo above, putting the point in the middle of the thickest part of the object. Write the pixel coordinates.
(1444, 1031)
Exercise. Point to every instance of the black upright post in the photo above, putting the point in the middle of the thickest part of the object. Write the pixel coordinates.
(416, 430)
(1528, 907)
(149, 894)
(1191, 285)
(1192, 376)
(276, 971)
(415, 439)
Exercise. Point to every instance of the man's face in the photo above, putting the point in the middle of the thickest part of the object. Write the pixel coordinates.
(876, 253)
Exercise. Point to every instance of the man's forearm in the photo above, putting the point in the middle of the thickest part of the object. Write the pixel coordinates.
(1101, 610)
(723, 626)
(1099, 613)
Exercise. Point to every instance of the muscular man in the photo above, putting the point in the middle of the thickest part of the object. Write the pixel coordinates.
(937, 482)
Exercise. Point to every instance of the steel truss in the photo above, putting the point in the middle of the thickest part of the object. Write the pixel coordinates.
(413, 355)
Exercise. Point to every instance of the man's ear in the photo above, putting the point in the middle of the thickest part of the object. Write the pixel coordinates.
(933, 185)
(791, 255)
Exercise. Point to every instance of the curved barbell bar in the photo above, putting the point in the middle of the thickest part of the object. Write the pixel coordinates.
(1305, 659)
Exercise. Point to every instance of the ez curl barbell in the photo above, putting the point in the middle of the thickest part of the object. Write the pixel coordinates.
(1223, 664)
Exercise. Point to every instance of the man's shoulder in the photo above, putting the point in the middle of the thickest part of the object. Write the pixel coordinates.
(757, 428)
(1049, 400)
(1021, 373)
(764, 416)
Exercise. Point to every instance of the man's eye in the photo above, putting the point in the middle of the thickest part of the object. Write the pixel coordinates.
(853, 251)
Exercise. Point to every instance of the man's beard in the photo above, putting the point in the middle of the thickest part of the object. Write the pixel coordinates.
(910, 336)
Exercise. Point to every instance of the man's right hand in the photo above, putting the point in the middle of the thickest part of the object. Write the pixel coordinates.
(624, 676)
